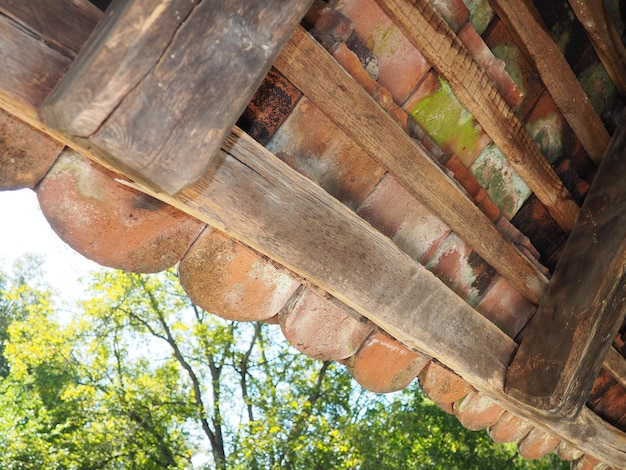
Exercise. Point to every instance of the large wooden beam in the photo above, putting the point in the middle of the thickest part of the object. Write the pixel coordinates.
(604, 38)
(524, 22)
(427, 30)
(160, 84)
(584, 306)
(361, 118)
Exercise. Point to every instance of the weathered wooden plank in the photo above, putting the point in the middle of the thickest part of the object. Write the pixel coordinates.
(177, 88)
(361, 118)
(524, 22)
(588, 431)
(65, 24)
(427, 30)
(604, 38)
(584, 306)
(30, 68)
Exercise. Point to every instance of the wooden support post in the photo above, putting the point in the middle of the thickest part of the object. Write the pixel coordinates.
(160, 84)
(584, 305)
(604, 37)
(524, 22)
(422, 24)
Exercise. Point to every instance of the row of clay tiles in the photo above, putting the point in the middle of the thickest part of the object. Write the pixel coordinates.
(117, 226)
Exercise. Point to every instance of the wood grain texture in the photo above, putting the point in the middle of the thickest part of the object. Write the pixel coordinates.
(362, 119)
(523, 21)
(170, 125)
(64, 24)
(604, 37)
(428, 31)
(584, 306)
(588, 432)
(161, 83)
(127, 43)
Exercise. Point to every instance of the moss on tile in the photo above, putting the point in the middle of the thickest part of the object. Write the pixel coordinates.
(510, 56)
(598, 85)
(448, 123)
(481, 14)
(548, 133)
(504, 186)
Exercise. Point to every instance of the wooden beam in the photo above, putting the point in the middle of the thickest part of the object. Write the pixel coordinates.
(523, 20)
(604, 38)
(580, 314)
(588, 432)
(210, 57)
(64, 24)
(615, 365)
(420, 22)
(362, 119)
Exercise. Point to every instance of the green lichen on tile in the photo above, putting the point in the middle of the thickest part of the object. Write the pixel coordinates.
(481, 14)
(598, 85)
(447, 122)
(548, 132)
(510, 56)
(504, 186)
(385, 40)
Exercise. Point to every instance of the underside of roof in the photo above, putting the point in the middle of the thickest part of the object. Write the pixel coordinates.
(419, 189)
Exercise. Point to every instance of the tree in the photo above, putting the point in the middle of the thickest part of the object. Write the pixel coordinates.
(142, 379)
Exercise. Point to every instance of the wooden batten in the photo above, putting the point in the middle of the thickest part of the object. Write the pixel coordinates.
(523, 20)
(159, 85)
(362, 119)
(584, 306)
(427, 30)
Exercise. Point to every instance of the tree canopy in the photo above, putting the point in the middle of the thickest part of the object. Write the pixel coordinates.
(139, 378)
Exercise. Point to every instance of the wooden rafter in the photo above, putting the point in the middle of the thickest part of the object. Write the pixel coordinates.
(427, 30)
(524, 22)
(584, 306)
(362, 119)
(604, 37)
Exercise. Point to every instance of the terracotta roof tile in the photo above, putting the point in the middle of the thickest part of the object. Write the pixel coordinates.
(509, 428)
(503, 46)
(568, 452)
(383, 365)
(505, 307)
(537, 444)
(223, 276)
(587, 462)
(481, 14)
(442, 386)
(313, 145)
(321, 329)
(110, 223)
(401, 66)
(26, 154)
(435, 108)
(398, 215)
(454, 12)
(477, 411)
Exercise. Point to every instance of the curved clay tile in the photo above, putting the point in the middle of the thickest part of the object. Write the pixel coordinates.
(442, 385)
(537, 444)
(383, 365)
(110, 223)
(222, 276)
(321, 329)
(509, 428)
(477, 411)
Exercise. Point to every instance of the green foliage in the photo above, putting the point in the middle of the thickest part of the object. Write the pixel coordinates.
(142, 379)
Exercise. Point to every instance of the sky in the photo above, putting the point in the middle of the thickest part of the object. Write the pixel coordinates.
(26, 230)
